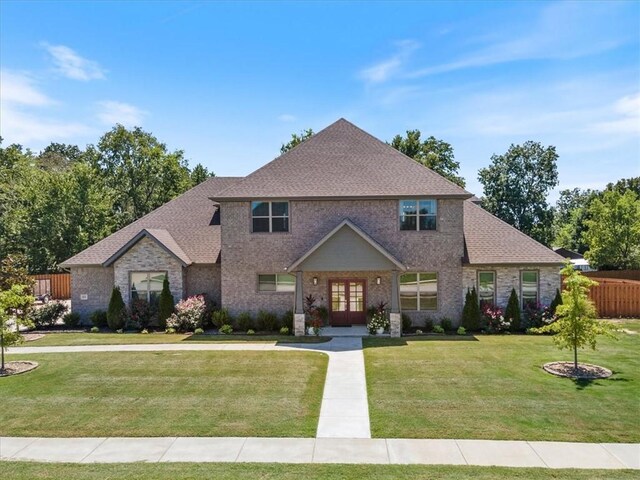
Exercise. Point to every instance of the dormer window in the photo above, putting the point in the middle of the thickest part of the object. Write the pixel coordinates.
(418, 214)
(270, 217)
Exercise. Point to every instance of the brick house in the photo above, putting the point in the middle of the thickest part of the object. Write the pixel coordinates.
(342, 216)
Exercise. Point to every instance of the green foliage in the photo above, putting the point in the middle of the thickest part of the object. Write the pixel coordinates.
(199, 174)
(516, 186)
(12, 300)
(432, 153)
(471, 315)
(287, 320)
(71, 319)
(438, 329)
(284, 331)
(245, 321)
(267, 321)
(406, 322)
(613, 235)
(251, 332)
(576, 325)
(557, 300)
(569, 222)
(198, 331)
(428, 324)
(461, 331)
(446, 324)
(95, 329)
(323, 314)
(226, 329)
(220, 317)
(166, 304)
(47, 315)
(99, 318)
(117, 311)
(296, 140)
(512, 314)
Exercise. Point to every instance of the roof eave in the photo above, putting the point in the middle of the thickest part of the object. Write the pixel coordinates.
(341, 197)
(143, 233)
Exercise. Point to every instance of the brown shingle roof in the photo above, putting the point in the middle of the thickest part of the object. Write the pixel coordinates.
(342, 161)
(183, 226)
(489, 240)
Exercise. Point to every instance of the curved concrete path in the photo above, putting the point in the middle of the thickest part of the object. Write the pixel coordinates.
(343, 434)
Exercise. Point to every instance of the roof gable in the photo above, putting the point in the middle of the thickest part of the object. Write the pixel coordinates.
(160, 237)
(346, 162)
(346, 248)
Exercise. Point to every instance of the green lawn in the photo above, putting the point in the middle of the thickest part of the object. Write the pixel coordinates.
(226, 471)
(66, 339)
(165, 394)
(493, 387)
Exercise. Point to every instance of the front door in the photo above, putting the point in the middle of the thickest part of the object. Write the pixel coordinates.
(348, 298)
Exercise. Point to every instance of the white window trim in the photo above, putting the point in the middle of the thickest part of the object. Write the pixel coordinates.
(270, 216)
(417, 214)
(277, 283)
(418, 309)
(522, 272)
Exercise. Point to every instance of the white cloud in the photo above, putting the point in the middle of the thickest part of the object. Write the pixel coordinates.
(71, 65)
(112, 112)
(287, 117)
(384, 70)
(625, 113)
(20, 88)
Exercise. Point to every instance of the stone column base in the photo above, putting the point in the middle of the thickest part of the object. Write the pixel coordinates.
(396, 324)
(298, 324)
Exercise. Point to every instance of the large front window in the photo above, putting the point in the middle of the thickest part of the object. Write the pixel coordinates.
(529, 287)
(147, 286)
(419, 291)
(270, 216)
(487, 288)
(276, 283)
(418, 214)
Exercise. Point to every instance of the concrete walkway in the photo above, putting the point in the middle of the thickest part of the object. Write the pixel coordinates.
(322, 450)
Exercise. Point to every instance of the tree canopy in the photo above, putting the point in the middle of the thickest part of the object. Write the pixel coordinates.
(432, 153)
(296, 139)
(516, 186)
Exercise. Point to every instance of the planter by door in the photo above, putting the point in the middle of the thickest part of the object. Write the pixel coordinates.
(348, 300)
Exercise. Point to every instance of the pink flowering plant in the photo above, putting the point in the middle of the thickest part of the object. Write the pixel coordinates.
(538, 315)
(493, 318)
(189, 314)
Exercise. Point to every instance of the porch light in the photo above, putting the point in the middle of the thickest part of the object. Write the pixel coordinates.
(378, 280)
(315, 280)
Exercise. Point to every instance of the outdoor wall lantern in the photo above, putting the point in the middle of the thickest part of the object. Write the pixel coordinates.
(315, 280)
(378, 280)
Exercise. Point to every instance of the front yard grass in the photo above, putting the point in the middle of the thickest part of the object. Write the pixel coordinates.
(228, 471)
(493, 387)
(244, 393)
(69, 339)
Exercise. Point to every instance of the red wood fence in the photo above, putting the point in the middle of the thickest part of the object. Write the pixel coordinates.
(616, 297)
(60, 284)
(619, 274)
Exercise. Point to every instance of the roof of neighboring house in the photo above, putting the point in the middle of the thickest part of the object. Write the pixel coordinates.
(184, 227)
(489, 240)
(566, 253)
(342, 161)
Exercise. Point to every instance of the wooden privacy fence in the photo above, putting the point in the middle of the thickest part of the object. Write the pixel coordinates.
(60, 284)
(619, 274)
(616, 297)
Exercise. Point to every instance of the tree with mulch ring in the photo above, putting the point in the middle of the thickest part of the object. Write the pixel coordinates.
(12, 301)
(576, 327)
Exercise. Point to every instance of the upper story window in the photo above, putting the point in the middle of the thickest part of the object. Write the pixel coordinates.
(418, 214)
(270, 216)
(529, 288)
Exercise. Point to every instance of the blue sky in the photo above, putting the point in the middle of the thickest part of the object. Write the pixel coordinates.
(229, 82)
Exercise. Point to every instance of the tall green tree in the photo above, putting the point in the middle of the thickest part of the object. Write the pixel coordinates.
(199, 174)
(516, 185)
(296, 139)
(570, 216)
(613, 234)
(140, 171)
(432, 153)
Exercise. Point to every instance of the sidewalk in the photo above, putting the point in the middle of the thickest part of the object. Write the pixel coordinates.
(322, 450)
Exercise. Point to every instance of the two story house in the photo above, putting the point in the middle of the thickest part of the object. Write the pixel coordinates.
(342, 216)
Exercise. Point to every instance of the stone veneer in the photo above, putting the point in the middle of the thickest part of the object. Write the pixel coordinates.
(245, 254)
(508, 277)
(147, 256)
(90, 290)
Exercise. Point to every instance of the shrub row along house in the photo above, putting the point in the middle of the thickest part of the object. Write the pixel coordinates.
(342, 216)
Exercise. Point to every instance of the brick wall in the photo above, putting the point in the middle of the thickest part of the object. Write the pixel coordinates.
(245, 254)
(96, 284)
(204, 279)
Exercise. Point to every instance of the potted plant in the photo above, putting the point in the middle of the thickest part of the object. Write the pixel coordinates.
(378, 323)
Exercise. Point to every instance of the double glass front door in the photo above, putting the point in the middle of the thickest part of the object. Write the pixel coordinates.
(348, 299)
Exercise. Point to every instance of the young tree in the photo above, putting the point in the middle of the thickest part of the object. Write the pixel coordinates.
(512, 314)
(12, 301)
(117, 310)
(471, 315)
(516, 186)
(296, 140)
(613, 236)
(166, 304)
(432, 153)
(576, 326)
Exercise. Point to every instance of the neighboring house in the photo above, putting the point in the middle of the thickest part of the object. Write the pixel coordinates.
(342, 216)
(577, 260)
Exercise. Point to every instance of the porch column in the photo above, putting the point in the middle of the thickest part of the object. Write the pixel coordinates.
(298, 313)
(395, 320)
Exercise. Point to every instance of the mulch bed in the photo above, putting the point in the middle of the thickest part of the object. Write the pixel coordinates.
(17, 367)
(30, 337)
(585, 371)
